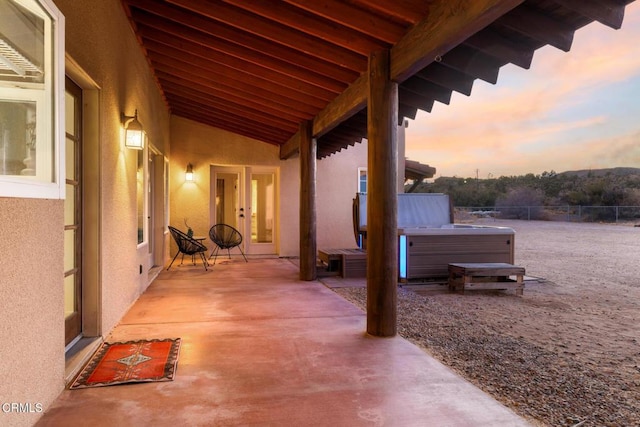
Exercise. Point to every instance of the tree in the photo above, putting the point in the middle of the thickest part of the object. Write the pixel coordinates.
(521, 203)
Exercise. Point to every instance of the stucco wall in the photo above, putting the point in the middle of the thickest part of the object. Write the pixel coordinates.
(204, 146)
(31, 318)
(337, 184)
(100, 40)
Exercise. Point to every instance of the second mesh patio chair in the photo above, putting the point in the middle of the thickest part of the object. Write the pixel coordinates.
(188, 246)
(225, 237)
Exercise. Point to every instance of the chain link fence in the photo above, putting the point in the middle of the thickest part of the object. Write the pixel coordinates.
(576, 213)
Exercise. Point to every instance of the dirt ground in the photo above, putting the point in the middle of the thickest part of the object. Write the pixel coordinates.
(566, 353)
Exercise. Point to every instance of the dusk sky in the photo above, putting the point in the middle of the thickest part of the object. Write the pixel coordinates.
(571, 110)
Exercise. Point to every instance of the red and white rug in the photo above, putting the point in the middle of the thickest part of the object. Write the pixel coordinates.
(130, 362)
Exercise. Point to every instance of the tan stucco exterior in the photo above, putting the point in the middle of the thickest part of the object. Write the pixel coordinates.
(337, 184)
(101, 42)
(204, 147)
(31, 319)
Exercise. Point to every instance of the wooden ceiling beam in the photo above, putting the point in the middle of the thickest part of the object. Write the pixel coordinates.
(428, 89)
(218, 105)
(358, 120)
(352, 127)
(158, 15)
(270, 68)
(493, 44)
(313, 25)
(175, 83)
(149, 24)
(277, 33)
(353, 17)
(406, 112)
(415, 100)
(336, 143)
(290, 147)
(195, 92)
(473, 63)
(607, 12)
(259, 96)
(531, 23)
(275, 64)
(232, 121)
(265, 91)
(349, 132)
(447, 77)
(342, 137)
(448, 23)
(355, 120)
(237, 128)
(330, 146)
(345, 105)
(169, 66)
(409, 11)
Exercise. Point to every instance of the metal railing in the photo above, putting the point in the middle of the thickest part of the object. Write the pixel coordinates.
(576, 213)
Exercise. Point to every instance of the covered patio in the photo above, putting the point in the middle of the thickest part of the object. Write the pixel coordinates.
(262, 347)
(293, 90)
(315, 78)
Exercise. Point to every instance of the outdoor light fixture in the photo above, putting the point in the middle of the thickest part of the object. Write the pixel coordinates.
(133, 132)
(189, 174)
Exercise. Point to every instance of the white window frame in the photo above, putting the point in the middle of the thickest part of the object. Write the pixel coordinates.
(49, 183)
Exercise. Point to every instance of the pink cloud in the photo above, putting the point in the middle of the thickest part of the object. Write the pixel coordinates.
(499, 122)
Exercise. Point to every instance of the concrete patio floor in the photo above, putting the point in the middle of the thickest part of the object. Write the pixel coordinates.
(261, 348)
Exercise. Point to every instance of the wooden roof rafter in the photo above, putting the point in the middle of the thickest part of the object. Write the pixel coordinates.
(278, 63)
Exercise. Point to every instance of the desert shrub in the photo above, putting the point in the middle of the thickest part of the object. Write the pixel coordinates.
(521, 203)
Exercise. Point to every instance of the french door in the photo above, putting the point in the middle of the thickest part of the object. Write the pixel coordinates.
(245, 198)
(73, 214)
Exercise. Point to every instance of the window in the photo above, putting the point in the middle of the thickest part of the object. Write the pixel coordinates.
(31, 99)
(141, 191)
(362, 180)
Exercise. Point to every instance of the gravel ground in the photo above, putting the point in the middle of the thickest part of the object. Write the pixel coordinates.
(567, 353)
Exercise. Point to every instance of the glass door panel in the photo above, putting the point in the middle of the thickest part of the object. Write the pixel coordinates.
(227, 199)
(73, 215)
(245, 198)
(261, 200)
(262, 209)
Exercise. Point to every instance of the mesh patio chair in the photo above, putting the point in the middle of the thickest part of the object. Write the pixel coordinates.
(188, 246)
(225, 237)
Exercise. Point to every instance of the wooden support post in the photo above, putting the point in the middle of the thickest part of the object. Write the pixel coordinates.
(382, 199)
(308, 242)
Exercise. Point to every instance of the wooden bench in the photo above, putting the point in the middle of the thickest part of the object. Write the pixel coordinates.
(489, 275)
(347, 262)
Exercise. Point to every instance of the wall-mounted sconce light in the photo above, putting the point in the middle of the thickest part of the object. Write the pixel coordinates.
(189, 174)
(133, 132)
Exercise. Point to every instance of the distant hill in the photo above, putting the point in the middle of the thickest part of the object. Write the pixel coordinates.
(589, 187)
(602, 172)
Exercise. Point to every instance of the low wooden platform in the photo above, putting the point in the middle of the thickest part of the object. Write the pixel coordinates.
(346, 262)
(490, 275)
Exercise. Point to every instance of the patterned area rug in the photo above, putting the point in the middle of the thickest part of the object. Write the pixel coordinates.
(130, 362)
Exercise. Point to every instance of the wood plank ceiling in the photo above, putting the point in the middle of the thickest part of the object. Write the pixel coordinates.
(259, 68)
